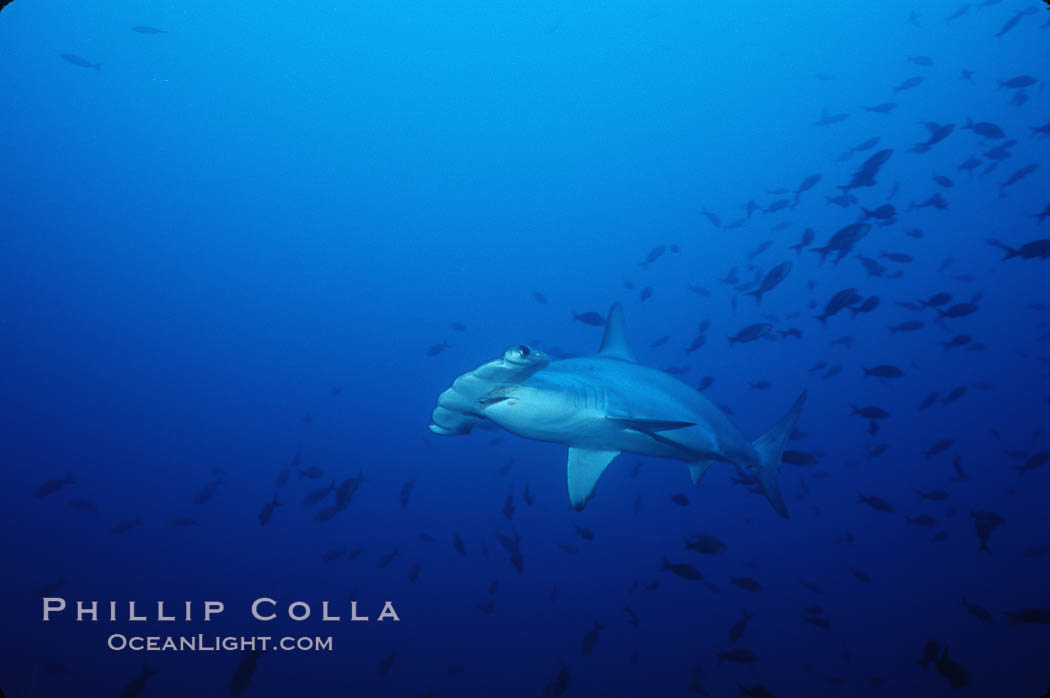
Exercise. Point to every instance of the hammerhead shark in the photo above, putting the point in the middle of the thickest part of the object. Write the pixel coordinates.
(603, 405)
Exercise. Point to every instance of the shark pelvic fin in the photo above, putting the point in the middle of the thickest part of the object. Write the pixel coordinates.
(585, 467)
(697, 469)
(614, 341)
(770, 447)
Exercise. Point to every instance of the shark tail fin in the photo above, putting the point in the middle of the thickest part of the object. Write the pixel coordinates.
(770, 447)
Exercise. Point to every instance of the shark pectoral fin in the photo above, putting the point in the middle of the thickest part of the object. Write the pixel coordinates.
(770, 448)
(614, 341)
(649, 426)
(585, 467)
(698, 468)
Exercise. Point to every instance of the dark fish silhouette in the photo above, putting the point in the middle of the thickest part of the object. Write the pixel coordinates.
(807, 184)
(985, 522)
(242, 675)
(953, 671)
(347, 488)
(876, 503)
(1036, 460)
(751, 333)
(746, 583)
(885, 212)
(1018, 82)
(319, 494)
(907, 326)
(883, 371)
(828, 119)
(739, 627)
(683, 570)
(1012, 22)
(771, 280)
(125, 526)
(134, 687)
(869, 304)
(654, 254)
(807, 237)
(561, 680)
(267, 511)
(1038, 616)
(843, 241)
(80, 62)
(909, 84)
(590, 639)
(706, 544)
(436, 349)
(1038, 249)
(82, 504)
(841, 300)
(978, 612)
(389, 557)
(861, 575)
(811, 586)
(738, 655)
(985, 129)
(1017, 176)
(589, 318)
(938, 447)
(387, 663)
(52, 486)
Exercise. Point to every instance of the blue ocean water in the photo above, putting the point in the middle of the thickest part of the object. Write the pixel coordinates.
(236, 239)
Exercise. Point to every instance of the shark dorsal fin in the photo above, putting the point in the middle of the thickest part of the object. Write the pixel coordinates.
(614, 341)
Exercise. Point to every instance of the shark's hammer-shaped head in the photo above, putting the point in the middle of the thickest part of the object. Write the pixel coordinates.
(467, 402)
(522, 409)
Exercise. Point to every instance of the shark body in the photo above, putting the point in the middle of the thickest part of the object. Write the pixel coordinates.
(603, 405)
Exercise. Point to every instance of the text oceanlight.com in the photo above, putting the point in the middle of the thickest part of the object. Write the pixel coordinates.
(216, 643)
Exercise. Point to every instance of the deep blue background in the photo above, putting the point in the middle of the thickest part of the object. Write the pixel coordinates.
(203, 237)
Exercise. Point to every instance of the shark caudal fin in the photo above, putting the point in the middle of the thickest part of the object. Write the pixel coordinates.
(584, 469)
(770, 447)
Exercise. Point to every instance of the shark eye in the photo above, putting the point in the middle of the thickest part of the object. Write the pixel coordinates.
(525, 351)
